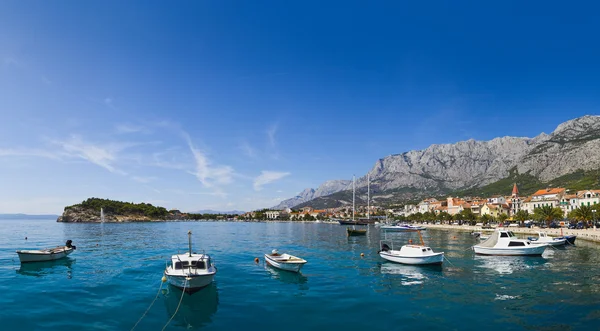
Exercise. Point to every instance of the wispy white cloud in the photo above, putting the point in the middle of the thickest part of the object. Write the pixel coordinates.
(144, 180)
(267, 177)
(10, 61)
(31, 152)
(206, 173)
(108, 101)
(271, 131)
(129, 128)
(248, 150)
(46, 80)
(103, 156)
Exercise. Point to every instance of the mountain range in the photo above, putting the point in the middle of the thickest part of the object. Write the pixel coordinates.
(573, 147)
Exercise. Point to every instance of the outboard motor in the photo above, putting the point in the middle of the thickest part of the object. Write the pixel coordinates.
(68, 244)
(385, 248)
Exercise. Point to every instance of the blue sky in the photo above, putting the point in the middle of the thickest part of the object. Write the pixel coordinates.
(237, 105)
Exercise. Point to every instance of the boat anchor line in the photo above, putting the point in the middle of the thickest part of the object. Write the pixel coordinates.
(153, 301)
(179, 304)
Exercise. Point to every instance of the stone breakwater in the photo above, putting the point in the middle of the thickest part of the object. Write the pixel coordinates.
(587, 234)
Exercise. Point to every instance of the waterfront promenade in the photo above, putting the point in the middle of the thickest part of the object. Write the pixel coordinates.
(587, 234)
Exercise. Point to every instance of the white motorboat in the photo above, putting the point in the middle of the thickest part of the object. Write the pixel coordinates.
(543, 238)
(504, 242)
(190, 271)
(402, 228)
(410, 254)
(285, 261)
(49, 254)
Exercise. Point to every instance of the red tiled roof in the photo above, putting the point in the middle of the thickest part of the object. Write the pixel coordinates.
(556, 190)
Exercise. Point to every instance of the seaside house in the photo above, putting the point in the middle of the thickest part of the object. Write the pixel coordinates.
(427, 205)
(588, 197)
(494, 210)
(568, 203)
(545, 197)
(496, 199)
(272, 214)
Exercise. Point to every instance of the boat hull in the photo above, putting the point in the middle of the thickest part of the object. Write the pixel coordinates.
(570, 239)
(554, 242)
(524, 251)
(42, 256)
(293, 267)
(356, 232)
(436, 258)
(392, 228)
(194, 282)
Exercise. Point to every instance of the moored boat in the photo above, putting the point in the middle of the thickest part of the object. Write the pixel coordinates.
(49, 254)
(284, 261)
(503, 242)
(570, 239)
(402, 228)
(410, 254)
(353, 231)
(544, 238)
(190, 272)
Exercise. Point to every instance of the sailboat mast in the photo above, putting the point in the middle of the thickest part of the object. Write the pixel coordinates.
(353, 195)
(190, 241)
(368, 197)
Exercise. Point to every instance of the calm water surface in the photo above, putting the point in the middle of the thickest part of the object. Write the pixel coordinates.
(114, 275)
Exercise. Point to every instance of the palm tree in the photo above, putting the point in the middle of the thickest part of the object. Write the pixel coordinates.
(502, 217)
(485, 218)
(547, 214)
(522, 216)
(583, 213)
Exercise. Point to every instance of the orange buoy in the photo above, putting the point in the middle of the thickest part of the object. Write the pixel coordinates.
(256, 260)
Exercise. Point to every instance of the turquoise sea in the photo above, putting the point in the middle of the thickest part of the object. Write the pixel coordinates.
(114, 275)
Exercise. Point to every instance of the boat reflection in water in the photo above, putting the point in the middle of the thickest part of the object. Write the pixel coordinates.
(411, 274)
(507, 264)
(40, 269)
(196, 310)
(287, 277)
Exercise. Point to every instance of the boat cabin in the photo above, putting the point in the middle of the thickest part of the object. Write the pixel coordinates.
(196, 261)
(503, 238)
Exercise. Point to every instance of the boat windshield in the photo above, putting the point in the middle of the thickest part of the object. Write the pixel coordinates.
(193, 264)
(511, 234)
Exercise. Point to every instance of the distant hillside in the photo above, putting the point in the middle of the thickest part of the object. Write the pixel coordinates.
(27, 217)
(567, 157)
(528, 184)
(215, 212)
(114, 211)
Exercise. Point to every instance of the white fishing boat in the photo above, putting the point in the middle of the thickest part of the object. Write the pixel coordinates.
(402, 228)
(543, 238)
(49, 254)
(504, 242)
(285, 261)
(190, 271)
(410, 254)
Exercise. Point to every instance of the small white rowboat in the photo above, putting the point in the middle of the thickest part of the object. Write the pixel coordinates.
(42, 255)
(285, 261)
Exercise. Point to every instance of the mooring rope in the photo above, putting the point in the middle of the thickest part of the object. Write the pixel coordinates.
(178, 305)
(147, 310)
(452, 264)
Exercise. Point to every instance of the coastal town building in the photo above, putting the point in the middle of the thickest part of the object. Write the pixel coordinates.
(546, 197)
(427, 205)
(515, 201)
(272, 214)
